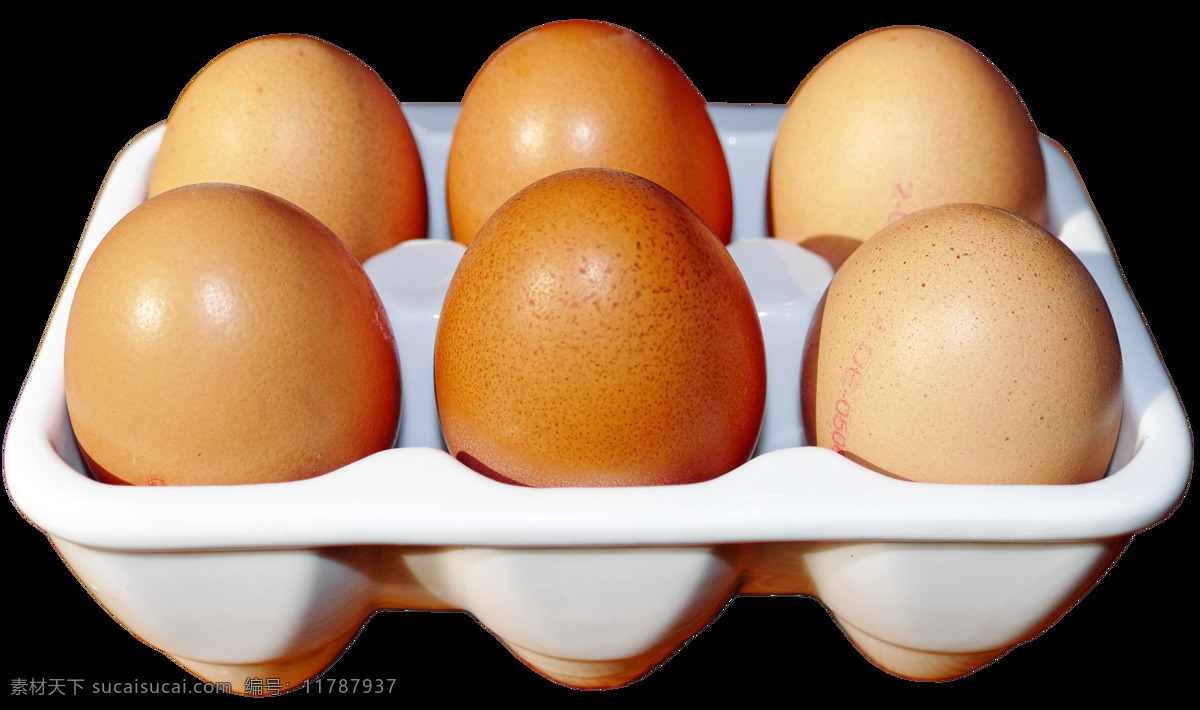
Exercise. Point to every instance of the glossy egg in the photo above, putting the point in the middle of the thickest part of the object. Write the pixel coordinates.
(221, 335)
(581, 93)
(965, 344)
(893, 121)
(301, 118)
(597, 333)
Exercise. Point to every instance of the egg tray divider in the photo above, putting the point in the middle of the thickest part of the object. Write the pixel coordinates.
(595, 587)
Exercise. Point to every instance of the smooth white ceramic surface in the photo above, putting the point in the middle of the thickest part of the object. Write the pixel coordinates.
(585, 580)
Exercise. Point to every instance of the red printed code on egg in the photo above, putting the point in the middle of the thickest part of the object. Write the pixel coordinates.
(852, 379)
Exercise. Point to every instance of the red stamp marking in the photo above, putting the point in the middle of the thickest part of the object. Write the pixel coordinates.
(901, 193)
(852, 378)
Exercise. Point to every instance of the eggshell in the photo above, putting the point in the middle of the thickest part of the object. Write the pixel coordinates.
(596, 333)
(296, 116)
(893, 121)
(582, 93)
(221, 335)
(965, 344)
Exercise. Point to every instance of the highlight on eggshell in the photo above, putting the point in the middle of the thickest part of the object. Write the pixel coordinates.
(893, 121)
(965, 344)
(597, 333)
(301, 118)
(219, 334)
(583, 93)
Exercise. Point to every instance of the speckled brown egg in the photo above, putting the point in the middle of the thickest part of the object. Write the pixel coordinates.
(893, 121)
(597, 333)
(583, 93)
(301, 118)
(221, 335)
(965, 344)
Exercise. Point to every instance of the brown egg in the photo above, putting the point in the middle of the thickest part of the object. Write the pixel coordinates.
(221, 335)
(893, 121)
(596, 333)
(580, 93)
(305, 120)
(965, 344)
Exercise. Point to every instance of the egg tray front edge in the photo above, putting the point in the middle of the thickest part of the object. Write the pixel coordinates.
(664, 560)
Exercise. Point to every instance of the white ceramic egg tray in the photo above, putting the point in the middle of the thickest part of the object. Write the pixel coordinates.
(595, 587)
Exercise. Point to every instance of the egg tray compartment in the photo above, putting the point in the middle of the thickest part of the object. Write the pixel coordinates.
(595, 587)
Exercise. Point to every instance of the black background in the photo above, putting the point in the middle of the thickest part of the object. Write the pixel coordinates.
(1103, 87)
